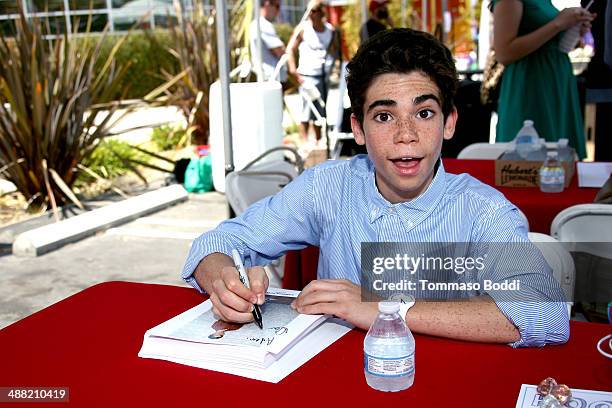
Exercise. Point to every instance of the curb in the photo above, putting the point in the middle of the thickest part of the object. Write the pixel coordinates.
(49, 237)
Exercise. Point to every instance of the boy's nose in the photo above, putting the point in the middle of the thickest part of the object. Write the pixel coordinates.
(405, 132)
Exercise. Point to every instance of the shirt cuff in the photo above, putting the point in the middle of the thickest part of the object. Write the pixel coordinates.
(206, 244)
(538, 323)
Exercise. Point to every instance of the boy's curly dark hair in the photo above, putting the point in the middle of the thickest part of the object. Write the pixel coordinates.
(401, 50)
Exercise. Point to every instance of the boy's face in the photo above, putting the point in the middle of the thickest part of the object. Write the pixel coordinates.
(403, 128)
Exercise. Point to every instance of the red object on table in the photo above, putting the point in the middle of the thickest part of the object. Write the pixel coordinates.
(89, 343)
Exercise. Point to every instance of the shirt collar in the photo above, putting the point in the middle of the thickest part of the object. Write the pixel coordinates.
(413, 210)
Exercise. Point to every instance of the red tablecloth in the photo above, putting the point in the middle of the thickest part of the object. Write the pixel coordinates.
(540, 208)
(89, 343)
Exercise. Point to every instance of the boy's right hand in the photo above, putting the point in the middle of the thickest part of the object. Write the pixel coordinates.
(232, 301)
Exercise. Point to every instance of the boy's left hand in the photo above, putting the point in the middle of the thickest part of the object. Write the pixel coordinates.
(338, 297)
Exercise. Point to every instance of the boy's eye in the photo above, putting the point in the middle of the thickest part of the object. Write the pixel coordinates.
(382, 117)
(425, 113)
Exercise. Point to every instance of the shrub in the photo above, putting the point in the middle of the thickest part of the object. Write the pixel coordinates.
(284, 31)
(194, 45)
(113, 158)
(52, 110)
(146, 53)
(168, 137)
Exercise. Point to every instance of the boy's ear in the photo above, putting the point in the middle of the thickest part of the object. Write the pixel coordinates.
(357, 129)
(449, 125)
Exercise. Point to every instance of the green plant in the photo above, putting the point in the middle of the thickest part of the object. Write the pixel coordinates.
(292, 128)
(52, 108)
(168, 137)
(284, 31)
(147, 60)
(112, 158)
(194, 45)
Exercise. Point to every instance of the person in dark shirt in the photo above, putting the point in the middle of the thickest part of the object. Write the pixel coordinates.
(379, 20)
(598, 77)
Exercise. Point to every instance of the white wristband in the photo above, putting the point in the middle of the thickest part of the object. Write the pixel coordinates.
(405, 305)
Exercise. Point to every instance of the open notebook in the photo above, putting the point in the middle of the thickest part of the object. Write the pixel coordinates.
(289, 339)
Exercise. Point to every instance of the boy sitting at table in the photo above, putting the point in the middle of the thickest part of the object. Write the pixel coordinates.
(401, 84)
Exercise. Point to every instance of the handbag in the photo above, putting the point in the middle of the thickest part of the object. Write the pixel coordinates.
(491, 81)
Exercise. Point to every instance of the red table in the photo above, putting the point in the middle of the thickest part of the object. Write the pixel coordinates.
(89, 343)
(540, 208)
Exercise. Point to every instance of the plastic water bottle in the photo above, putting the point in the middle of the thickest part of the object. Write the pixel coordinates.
(566, 153)
(510, 153)
(389, 351)
(538, 153)
(569, 39)
(526, 140)
(552, 174)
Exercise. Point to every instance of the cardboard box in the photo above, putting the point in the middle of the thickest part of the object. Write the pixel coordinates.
(523, 173)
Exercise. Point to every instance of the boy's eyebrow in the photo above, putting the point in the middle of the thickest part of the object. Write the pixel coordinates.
(422, 98)
(416, 101)
(381, 102)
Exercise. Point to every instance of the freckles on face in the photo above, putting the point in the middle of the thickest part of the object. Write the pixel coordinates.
(403, 129)
(403, 103)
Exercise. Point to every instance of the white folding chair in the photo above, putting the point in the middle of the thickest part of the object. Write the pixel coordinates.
(586, 231)
(584, 223)
(585, 228)
(560, 261)
(490, 151)
(259, 180)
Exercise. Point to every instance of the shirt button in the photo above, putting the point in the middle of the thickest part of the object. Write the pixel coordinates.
(391, 210)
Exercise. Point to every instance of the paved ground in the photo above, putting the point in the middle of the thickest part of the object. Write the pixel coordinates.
(150, 249)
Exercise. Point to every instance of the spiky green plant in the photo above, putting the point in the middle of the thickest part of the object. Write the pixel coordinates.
(194, 45)
(54, 107)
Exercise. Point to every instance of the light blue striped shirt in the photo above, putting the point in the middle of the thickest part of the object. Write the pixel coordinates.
(337, 206)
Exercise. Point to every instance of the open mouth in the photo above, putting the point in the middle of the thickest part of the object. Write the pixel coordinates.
(407, 165)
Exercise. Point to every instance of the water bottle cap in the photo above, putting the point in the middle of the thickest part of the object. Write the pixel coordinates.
(552, 153)
(528, 122)
(388, 307)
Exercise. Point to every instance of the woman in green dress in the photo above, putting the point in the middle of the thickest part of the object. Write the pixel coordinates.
(538, 82)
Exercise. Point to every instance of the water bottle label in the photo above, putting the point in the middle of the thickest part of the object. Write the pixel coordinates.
(524, 139)
(552, 176)
(389, 367)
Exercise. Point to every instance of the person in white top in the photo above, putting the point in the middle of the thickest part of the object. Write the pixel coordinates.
(316, 43)
(273, 46)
